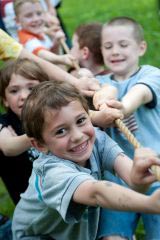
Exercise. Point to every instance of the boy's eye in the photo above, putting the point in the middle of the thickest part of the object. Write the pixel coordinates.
(61, 132)
(107, 46)
(124, 44)
(30, 88)
(81, 120)
(13, 91)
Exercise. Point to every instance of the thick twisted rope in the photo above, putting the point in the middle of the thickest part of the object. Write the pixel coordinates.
(131, 138)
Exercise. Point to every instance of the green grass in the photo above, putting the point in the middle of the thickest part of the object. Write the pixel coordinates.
(145, 12)
(6, 204)
(75, 13)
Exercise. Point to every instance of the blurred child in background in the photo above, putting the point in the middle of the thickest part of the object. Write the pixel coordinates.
(138, 90)
(30, 16)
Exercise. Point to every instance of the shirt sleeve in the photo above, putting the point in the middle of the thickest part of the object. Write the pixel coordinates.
(58, 186)
(108, 150)
(150, 76)
(9, 48)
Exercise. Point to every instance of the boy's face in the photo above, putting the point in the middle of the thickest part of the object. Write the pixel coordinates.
(121, 51)
(17, 91)
(68, 133)
(31, 17)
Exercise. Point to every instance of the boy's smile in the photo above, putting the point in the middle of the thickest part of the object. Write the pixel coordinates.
(68, 133)
(121, 51)
(31, 17)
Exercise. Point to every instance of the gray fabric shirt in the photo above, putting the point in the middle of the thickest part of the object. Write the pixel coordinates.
(47, 209)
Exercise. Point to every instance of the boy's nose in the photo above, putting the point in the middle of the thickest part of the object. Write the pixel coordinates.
(76, 135)
(24, 94)
(115, 50)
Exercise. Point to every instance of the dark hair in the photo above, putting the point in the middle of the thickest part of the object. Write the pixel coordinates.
(46, 96)
(89, 35)
(24, 67)
(138, 32)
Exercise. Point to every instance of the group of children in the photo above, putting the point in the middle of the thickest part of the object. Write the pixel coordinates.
(81, 176)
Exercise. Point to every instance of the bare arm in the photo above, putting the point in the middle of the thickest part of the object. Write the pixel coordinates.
(136, 173)
(113, 196)
(11, 144)
(138, 95)
(86, 85)
(65, 59)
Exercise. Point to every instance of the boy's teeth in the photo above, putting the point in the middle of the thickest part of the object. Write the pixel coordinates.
(80, 147)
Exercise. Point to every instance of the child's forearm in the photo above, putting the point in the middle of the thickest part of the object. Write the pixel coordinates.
(113, 196)
(139, 95)
(15, 145)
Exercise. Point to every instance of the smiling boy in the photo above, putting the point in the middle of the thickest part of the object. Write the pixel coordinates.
(65, 190)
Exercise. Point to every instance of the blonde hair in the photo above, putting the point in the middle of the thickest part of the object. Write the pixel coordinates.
(18, 3)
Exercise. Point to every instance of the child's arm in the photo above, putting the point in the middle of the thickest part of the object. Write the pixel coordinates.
(65, 59)
(136, 173)
(107, 92)
(106, 116)
(113, 196)
(11, 144)
(9, 48)
(110, 195)
(138, 95)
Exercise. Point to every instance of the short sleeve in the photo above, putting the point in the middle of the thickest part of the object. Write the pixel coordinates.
(59, 184)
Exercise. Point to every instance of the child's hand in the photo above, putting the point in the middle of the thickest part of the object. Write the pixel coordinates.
(84, 72)
(143, 160)
(105, 117)
(107, 92)
(88, 85)
(66, 59)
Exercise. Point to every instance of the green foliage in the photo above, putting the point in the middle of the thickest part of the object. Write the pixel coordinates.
(74, 13)
(6, 204)
(145, 12)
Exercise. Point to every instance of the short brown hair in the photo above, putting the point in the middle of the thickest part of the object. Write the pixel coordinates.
(89, 35)
(24, 67)
(46, 96)
(127, 21)
(18, 3)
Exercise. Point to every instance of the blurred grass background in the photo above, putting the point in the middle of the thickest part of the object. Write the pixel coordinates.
(74, 13)
(145, 12)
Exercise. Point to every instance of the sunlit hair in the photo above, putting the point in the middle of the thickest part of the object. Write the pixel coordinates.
(89, 35)
(138, 32)
(24, 67)
(44, 97)
(18, 3)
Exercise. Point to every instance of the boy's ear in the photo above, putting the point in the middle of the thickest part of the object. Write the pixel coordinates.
(143, 47)
(85, 53)
(39, 146)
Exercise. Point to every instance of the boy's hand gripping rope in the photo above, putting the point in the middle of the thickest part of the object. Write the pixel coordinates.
(131, 138)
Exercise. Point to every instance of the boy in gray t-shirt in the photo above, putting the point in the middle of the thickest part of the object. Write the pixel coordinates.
(65, 191)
